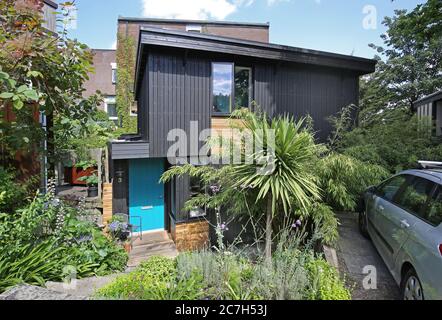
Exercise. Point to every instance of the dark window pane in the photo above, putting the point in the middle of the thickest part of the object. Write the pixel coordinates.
(415, 195)
(222, 74)
(114, 76)
(112, 110)
(242, 87)
(434, 212)
(389, 189)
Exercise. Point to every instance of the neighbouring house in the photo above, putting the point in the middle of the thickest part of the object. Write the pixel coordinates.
(193, 76)
(104, 79)
(430, 108)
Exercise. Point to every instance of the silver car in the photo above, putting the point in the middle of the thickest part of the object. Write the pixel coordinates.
(403, 217)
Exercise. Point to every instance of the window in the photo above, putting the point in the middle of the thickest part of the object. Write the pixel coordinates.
(434, 211)
(193, 28)
(111, 108)
(229, 81)
(415, 195)
(222, 74)
(196, 188)
(389, 188)
(243, 85)
(114, 72)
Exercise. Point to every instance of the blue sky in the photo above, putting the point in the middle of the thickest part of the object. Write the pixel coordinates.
(328, 25)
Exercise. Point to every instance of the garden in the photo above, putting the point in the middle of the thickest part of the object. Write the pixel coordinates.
(286, 214)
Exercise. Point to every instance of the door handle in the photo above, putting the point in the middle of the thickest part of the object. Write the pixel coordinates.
(405, 224)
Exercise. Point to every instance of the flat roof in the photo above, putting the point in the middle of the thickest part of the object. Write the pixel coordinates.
(51, 3)
(430, 98)
(186, 21)
(254, 49)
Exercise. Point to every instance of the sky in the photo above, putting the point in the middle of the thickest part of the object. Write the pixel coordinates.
(340, 26)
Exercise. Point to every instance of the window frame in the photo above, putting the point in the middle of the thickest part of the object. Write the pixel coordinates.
(437, 188)
(113, 101)
(399, 190)
(232, 98)
(114, 73)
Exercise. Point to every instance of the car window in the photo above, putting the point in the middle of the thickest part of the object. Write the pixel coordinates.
(434, 212)
(415, 195)
(388, 189)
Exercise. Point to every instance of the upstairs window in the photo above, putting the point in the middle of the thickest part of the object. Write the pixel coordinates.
(232, 87)
(243, 83)
(110, 107)
(222, 74)
(114, 73)
(193, 28)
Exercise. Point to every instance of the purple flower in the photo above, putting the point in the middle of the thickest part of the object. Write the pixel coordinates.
(215, 188)
(298, 223)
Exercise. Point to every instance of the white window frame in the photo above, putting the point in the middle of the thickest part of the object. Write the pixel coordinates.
(114, 72)
(194, 28)
(110, 100)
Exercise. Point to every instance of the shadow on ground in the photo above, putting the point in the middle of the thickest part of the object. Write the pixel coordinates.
(354, 253)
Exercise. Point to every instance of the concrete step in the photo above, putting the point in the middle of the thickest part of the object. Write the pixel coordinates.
(152, 246)
(149, 238)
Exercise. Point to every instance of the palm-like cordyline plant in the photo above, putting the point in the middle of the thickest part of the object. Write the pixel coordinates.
(280, 172)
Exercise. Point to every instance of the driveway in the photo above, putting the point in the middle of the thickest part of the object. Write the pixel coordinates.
(354, 253)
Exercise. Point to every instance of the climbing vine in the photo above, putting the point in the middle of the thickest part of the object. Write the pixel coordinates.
(125, 83)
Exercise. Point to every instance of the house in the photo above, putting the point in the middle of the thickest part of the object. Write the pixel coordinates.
(104, 79)
(430, 108)
(183, 78)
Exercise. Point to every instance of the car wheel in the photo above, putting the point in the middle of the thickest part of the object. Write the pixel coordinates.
(362, 221)
(411, 286)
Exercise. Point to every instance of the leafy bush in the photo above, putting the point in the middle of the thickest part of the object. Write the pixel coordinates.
(396, 145)
(293, 273)
(154, 279)
(15, 194)
(325, 282)
(42, 239)
(343, 179)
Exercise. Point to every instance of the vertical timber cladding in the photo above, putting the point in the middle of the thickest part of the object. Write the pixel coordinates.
(179, 92)
(301, 90)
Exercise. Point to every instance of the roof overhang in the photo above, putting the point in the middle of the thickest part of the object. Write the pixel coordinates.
(209, 43)
(265, 25)
(428, 99)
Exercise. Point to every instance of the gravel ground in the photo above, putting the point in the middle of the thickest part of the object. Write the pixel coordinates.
(354, 253)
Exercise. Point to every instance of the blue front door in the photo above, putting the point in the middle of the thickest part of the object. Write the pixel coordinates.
(146, 193)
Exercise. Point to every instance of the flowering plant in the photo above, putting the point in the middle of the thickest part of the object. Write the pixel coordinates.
(119, 230)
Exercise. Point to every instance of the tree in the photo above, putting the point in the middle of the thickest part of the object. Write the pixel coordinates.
(277, 179)
(48, 69)
(411, 66)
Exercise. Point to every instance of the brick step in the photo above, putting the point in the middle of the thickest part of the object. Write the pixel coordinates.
(148, 247)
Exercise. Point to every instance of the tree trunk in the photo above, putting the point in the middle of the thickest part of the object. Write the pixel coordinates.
(269, 219)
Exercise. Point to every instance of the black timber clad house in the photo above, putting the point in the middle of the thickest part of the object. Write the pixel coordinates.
(430, 109)
(176, 77)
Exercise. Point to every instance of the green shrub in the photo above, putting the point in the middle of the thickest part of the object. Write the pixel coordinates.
(343, 179)
(74, 243)
(155, 279)
(30, 264)
(325, 282)
(14, 194)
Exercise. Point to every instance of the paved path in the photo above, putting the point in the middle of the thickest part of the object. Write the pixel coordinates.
(354, 253)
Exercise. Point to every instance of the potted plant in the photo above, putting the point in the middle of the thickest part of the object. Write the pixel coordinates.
(119, 230)
(92, 185)
(82, 169)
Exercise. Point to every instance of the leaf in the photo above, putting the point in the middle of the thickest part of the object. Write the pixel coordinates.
(31, 94)
(6, 95)
(22, 88)
(18, 104)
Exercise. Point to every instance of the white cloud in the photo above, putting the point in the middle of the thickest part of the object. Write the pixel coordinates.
(192, 9)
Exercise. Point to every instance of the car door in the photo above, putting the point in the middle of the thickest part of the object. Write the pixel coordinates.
(401, 216)
(381, 217)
